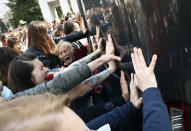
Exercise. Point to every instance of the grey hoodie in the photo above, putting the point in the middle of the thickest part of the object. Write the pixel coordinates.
(61, 83)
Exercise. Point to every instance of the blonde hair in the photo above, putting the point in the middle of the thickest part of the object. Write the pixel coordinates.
(63, 44)
(78, 17)
(27, 113)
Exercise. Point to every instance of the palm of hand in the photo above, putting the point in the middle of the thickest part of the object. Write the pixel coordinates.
(124, 87)
(134, 97)
(109, 47)
(144, 75)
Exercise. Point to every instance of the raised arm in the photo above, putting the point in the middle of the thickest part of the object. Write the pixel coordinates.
(70, 78)
(92, 82)
(155, 113)
(86, 59)
(105, 58)
(61, 83)
(93, 55)
(71, 37)
(127, 112)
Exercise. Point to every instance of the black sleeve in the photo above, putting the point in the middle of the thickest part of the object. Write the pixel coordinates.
(90, 113)
(70, 37)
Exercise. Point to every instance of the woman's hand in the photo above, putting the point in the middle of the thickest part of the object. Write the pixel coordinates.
(109, 46)
(145, 75)
(134, 97)
(84, 31)
(104, 58)
(99, 40)
(124, 87)
(109, 54)
(112, 66)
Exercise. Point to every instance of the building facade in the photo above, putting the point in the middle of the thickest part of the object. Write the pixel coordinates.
(48, 8)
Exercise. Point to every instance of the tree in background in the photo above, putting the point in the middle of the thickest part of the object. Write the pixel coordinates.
(3, 27)
(26, 10)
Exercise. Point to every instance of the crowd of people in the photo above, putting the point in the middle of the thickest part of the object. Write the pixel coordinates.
(52, 79)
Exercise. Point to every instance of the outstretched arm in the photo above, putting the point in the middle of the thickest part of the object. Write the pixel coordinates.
(88, 84)
(127, 112)
(70, 78)
(155, 113)
(92, 82)
(71, 37)
(86, 59)
(93, 55)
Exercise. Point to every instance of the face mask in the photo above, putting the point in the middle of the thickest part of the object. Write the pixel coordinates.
(6, 93)
(103, 128)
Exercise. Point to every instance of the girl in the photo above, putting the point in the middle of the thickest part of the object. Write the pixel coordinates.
(26, 71)
(15, 44)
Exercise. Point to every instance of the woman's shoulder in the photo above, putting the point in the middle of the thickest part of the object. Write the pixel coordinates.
(34, 51)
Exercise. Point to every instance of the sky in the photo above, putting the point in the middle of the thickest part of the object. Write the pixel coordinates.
(3, 8)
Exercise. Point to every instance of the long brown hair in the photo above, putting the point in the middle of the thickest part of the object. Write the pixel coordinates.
(39, 39)
(7, 55)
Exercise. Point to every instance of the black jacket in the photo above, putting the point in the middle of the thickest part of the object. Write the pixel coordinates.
(70, 37)
(50, 61)
(89, 113)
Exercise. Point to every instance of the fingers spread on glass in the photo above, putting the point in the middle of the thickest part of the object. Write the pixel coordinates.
(124, 87)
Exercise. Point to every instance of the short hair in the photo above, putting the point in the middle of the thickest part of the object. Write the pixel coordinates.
(68, 28)
(94, 20)
(63, 44)
(62, 21)
(7, 55)
(20, 73)
(60, 27)
(12, 41)
(26, 113)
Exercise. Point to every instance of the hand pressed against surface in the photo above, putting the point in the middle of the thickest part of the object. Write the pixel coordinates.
(124, 87)
(109, 46)
(112, 66)
(109, 55)
(97, 43)
(145, 75)
(134, 97)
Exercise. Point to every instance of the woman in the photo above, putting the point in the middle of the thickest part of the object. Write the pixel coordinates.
(68, 52)
(26, 71)
(71, 27)
(15, 44)
(41, 45)
(54, 115)
(7, 55)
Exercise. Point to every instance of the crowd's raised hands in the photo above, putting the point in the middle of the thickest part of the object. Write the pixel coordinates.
(144, 74)
(109, 51)
(124, 87)
(134, 97)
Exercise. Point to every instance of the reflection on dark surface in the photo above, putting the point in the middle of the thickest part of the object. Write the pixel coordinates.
(161, 27)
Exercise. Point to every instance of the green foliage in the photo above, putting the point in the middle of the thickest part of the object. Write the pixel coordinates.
(3, 27)
(59, 11)
(26, 10)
